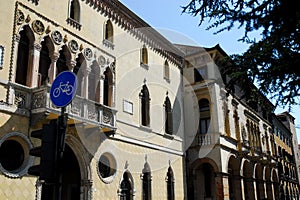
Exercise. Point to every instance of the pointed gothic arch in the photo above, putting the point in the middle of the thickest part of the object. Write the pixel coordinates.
(168, 116)
(23, 65)
(108, 88)
(94, 83)
(109, 31)
(166, 70)
(74, 10)
(46, 52)
(79, 71)
(170, 184)
(146, 182)
(145, 106)
(126, 187)
(144, 55)
(64, 59)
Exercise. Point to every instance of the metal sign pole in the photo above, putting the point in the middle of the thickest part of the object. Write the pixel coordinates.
(61, 134)
(62, 92)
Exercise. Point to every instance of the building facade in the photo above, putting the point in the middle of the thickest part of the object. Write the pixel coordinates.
(121, 142)
(235, 151)
(150, 119)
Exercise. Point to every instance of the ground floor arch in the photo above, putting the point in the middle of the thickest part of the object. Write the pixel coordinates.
(205, 181)
(76, 174)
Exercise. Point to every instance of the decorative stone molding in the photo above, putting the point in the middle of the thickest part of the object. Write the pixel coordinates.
(112, 164)
(38, 27)
(73, 45)
(24, 141)
(57, 37)
(101, 60)
(1, 56)
(88, 53)
(20, 17)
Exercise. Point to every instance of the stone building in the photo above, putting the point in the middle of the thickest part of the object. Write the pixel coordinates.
(122, 141)
(150, 119)
(235, 151)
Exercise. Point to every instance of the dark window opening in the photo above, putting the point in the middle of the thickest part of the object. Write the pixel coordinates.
(92, 87)
(145, 105)
(126, 188)
(61, 63)
(207, 180)
(108, 88)
(168, 116)
(109, 31)
(167, 70)
(204, 111)
(74, 10)
(197, 76)
(146, 186)
(105, 168)
(170, 184)
(79, 73)
(11, 155)
(22, 60)
(146, 182)
(144, 56)
(44, 64)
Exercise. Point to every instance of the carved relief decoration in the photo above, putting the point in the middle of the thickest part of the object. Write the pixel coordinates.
(20, 17)
(88, 53)
(39, 100)
(102, 60)
(20, 99)
(57, 37)
(107, 117)
(73, 45)
(38, 27)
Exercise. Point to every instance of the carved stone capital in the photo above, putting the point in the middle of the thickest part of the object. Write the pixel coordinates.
(55, 57)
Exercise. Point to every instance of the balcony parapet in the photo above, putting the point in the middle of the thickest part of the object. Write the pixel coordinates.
(208, 139)
(37, 101)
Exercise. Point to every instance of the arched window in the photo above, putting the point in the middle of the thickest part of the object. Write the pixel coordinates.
(170, 184)
(74, 10)
(94, 83)
(45, 61)
(168, 116)
(126, 187)
(146, 181)
(145, 106)
(166, 70)
(108, 31)
(64, 57)
(78, 70)
(204, 119)
(26, 40)
(108, 87)
(144, 56)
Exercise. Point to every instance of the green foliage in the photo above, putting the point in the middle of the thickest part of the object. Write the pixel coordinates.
(273, 62)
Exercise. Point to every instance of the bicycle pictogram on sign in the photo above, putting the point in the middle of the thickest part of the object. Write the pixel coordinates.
(64, 88)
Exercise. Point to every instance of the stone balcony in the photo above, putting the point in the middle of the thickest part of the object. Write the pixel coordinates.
(208, 139)
(36, 103)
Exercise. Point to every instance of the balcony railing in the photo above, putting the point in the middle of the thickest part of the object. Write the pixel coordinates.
(37, 100)
(206, 139)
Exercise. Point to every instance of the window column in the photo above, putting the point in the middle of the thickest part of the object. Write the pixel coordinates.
(52, 68)
(33, 65)
(102, 78)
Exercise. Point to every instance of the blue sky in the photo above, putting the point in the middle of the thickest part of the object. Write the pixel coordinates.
(166, 16)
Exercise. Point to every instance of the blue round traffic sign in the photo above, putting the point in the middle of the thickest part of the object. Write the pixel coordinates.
(63, 89)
